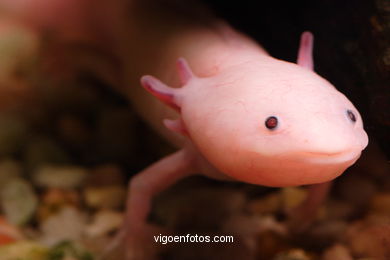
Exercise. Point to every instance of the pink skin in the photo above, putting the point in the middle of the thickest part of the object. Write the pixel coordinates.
(222, 117)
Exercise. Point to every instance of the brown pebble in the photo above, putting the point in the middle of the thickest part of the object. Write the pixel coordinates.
(292, 197)
(64, 177)
(269, 204)
(380, 204)
(368, 240)
(104, 222)
(67, 224)
(54, 200)
(269, 244)
(294, 254)
(18, 201)
(337, 252)
(109, 197)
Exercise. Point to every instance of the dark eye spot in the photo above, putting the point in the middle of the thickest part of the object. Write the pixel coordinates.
(351, 116)
(271, 122)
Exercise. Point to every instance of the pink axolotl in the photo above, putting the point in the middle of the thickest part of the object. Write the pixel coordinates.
(241, 114)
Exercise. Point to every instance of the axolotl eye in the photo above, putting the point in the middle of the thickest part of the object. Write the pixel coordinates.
(351, 116)
(271, 122)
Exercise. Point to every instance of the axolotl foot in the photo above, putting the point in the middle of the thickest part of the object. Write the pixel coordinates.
(301, 217)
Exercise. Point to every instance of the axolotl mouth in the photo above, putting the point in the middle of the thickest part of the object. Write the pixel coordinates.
(332, 158)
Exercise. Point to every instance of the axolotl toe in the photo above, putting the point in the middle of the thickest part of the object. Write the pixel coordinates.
(236, 112)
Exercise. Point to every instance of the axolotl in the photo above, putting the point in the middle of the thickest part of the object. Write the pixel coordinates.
(233, 111)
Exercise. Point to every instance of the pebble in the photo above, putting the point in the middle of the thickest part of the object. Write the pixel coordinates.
(23, 250)
(270, 243)
(252, 224)
(54, 200)
(271, 203)
(65, 177)
(369, 240)
(292, 197)
(8, 233)
(18, 201)
(380, 204)
(109, 197)
(337, 252)
(104, 222)
(68, 224)
(293, 254)
(69, 250)
(249, 226)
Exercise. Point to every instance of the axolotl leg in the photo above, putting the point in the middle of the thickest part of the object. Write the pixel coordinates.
(142, 188)
(302, 216)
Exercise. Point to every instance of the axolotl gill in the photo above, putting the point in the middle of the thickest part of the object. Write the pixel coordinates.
(233, 111)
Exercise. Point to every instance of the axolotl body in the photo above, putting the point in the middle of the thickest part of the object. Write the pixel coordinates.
(236, 112)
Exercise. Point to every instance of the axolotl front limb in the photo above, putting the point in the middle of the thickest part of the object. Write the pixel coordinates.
(263, 121)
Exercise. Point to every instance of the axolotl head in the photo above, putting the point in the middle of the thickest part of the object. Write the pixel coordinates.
(269, 122)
